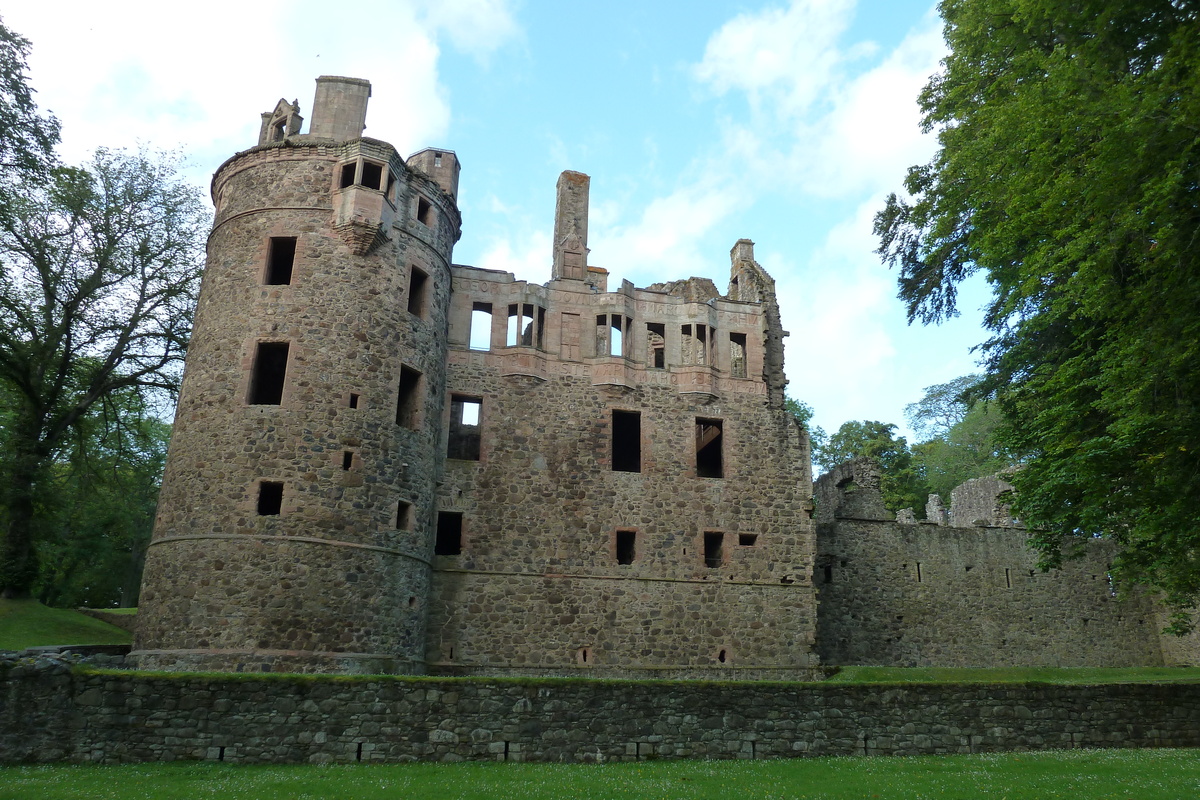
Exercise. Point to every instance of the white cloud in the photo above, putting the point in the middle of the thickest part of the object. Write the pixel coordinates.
(528, 259)
(479, 27)
(782, 56)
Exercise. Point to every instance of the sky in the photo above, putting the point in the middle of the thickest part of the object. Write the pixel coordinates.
(699, 122)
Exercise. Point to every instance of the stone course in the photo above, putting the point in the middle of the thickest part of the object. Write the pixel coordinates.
(50, 713)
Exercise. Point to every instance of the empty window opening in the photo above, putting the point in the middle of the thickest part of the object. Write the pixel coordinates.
(437, 159)
(281, 256)
(539, 340)
(268, 374)
(372, 175)
(463, 441)
(610, 334)
(270, 498)
(424, 212)
(347, 459)
(449, 534)
(919, 577)
(481, 326)
(391, 186)
(714, 549)
(694, 343)
(709, 458)
(747, 539)
(353, 401)
(601, 334)
(348, 171)
(656, 345)
(737, 355)
(626, 441)
(404, 516)
(583, 655)
(721, 656)
(827, 571)
(616, 342)
(412, 601)
(408, 402)
(626, 546)
(520, 325)
(1008, 578)
(417, 280)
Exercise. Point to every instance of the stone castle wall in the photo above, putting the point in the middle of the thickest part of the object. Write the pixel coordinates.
(112, 718)
(924, 594)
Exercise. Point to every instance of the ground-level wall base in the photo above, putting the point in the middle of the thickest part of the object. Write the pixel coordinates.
(290, 661)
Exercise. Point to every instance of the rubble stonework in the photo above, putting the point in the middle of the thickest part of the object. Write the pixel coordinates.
(445, 469)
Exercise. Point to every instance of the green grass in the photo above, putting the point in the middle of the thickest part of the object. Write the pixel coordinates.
(28, 623)
(1074, 774)
(1061, 675)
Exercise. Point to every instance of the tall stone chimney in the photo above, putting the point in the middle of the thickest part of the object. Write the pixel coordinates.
(571, 226)
(340, 108)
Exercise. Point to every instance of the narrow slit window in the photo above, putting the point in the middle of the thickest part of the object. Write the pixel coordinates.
(626, 546)
(449, 534)
(702, 344)
(828, 573)
(268, 374)
(464, 438)
(737, 355)
(481, 326)
(602, 334)
(714, 549)
(281, 257)
(270, 498)
(540, 341)
(417, 285)
(626, 441)
(687, 344)
(348, 171)
(656, 345)
(408, 401)
(616, 342)
(710, 461)
(372, 175)
(424, 212)
(353, 401)
(347, 460)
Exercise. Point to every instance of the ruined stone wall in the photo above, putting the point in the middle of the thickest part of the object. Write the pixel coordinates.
(113, 718)
(334, 578)
(537, 587)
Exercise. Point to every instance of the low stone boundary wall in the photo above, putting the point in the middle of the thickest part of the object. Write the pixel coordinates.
(51, 713)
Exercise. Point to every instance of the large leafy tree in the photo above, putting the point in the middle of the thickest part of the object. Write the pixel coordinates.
(27, 138)
(1068, 175)
(99, 268)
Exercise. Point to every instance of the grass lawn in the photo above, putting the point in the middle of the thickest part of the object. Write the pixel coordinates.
(1074, 774)
(28, 623)
(1062, 675)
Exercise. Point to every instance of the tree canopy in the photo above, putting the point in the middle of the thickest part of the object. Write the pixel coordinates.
(901, 482)
(100, 268)
(1068, 175)
(27, 138)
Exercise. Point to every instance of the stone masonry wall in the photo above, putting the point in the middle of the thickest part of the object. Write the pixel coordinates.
(52, 715)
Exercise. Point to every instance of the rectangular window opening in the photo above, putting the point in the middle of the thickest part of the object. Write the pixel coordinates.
(656, 345)
(626, 441)
(464, 438)
(714, 549)
(602, 334)
(1007, 578)
(626, 546)
(270, 498)
(372, 175)
(348, 171)
(408, 401)
(737, 355)
(540, 343)
(268, 374)
(417, 280)
(391, 186)
(449, 534)
(527, 325)
(709, 458)
(404, 514)
(353, 401)
(828, 573)
(281, 256)
(919, 577)
(424, 212)
(347, 459)
(616, 343)
(687, 345)
(747, 539)
(480, 336)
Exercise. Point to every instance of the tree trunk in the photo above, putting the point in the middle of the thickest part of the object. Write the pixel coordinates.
(18, 564)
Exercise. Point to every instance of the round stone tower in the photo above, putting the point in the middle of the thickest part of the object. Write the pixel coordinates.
(294, 527)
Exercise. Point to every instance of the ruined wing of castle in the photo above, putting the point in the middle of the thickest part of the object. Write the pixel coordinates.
(383, 461)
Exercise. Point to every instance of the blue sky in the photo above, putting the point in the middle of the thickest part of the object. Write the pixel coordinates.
(700, 123)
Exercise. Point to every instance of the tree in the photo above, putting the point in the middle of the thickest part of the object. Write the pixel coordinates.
(1068, 175)
(901, 483)
(27, 138)
(943, 406)
(100, 272)
(803, 413)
